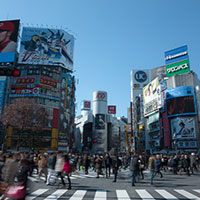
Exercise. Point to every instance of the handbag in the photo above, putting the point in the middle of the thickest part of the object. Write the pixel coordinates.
(3, 187)
(15, 191)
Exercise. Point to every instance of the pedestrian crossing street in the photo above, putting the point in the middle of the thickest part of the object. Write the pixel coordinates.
(144, 194)
(80, 175)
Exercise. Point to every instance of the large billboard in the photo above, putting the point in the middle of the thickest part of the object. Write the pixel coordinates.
(152, 97)
(8, 41)
(183, 128)
(177, 61)
(180, 101)
(45, 46)
(100, 121)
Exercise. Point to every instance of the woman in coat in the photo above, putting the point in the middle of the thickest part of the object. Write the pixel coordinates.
(67, 170)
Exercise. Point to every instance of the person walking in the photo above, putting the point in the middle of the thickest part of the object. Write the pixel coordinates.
(116, 163)
(151, 166)
(59, 167)
(86, 163)
(134, 168)
(99, 164)
(108, 163)
(141, 165)
(67, 170)
(158, 166)
(51, 162)
(42, 166)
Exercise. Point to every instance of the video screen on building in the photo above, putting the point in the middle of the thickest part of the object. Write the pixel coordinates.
(180, 106)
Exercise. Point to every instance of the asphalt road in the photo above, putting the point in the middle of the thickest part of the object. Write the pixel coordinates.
(88, 187)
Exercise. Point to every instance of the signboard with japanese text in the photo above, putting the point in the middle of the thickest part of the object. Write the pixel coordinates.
(111, 109)
(177, 61)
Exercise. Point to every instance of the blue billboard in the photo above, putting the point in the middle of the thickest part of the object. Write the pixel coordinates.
(176, 55)
(2, 92)
(180, 101)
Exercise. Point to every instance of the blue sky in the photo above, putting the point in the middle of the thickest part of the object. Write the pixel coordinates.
(115, 36)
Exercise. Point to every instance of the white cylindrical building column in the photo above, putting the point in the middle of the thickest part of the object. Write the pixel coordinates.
(100, 122)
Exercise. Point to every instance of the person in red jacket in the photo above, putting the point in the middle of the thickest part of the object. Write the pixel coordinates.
(67, 169)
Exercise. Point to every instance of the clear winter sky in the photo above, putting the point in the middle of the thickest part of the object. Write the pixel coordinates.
(115, 36)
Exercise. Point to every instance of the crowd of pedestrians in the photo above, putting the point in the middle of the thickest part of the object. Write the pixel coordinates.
(56, 166)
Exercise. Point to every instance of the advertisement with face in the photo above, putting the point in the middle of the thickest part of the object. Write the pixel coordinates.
(152, 97)
(99, 121)
(183, 127)
(8, 40)
(44, 46)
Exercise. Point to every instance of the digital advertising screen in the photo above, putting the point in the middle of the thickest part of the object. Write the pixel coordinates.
(180, 101)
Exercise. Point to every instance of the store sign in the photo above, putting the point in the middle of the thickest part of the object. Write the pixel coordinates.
(101, 96)
(176, 55)
(178, 68)
(177, 61)
(140, 76)
(111, 109)
(86, 105)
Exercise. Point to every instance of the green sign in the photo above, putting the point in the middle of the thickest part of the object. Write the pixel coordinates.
(178, 68)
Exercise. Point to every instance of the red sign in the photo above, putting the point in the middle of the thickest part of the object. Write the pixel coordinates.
(48, 82)
(111, 109)
(101, 96)
(87, 104)
(25, 80)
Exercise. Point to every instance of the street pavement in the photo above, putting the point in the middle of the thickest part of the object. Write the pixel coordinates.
(88, 187)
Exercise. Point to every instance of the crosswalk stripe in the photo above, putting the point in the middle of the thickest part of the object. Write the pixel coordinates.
(78, 195)
(35, 194)
(166, 194)
(187, 194)
(144, 195)
(56, 195)
(78, 176)
(90, 176)
(100, 195)
(122, 195)
(197, 191)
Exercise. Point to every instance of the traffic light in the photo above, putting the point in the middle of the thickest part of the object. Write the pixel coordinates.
(94, 141)
(9, 71)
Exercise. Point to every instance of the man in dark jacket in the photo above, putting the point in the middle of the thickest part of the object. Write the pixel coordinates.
(116, 163)
(51, 167)
(134, 168)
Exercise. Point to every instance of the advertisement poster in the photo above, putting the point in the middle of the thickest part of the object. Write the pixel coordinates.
(45, 46)
(152, 97)
(183, 127)
(99, 121)
(8, 46)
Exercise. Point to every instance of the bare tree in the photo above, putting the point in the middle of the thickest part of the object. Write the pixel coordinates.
(26, 116)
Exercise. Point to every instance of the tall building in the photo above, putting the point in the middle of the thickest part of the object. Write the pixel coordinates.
(45, 61)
